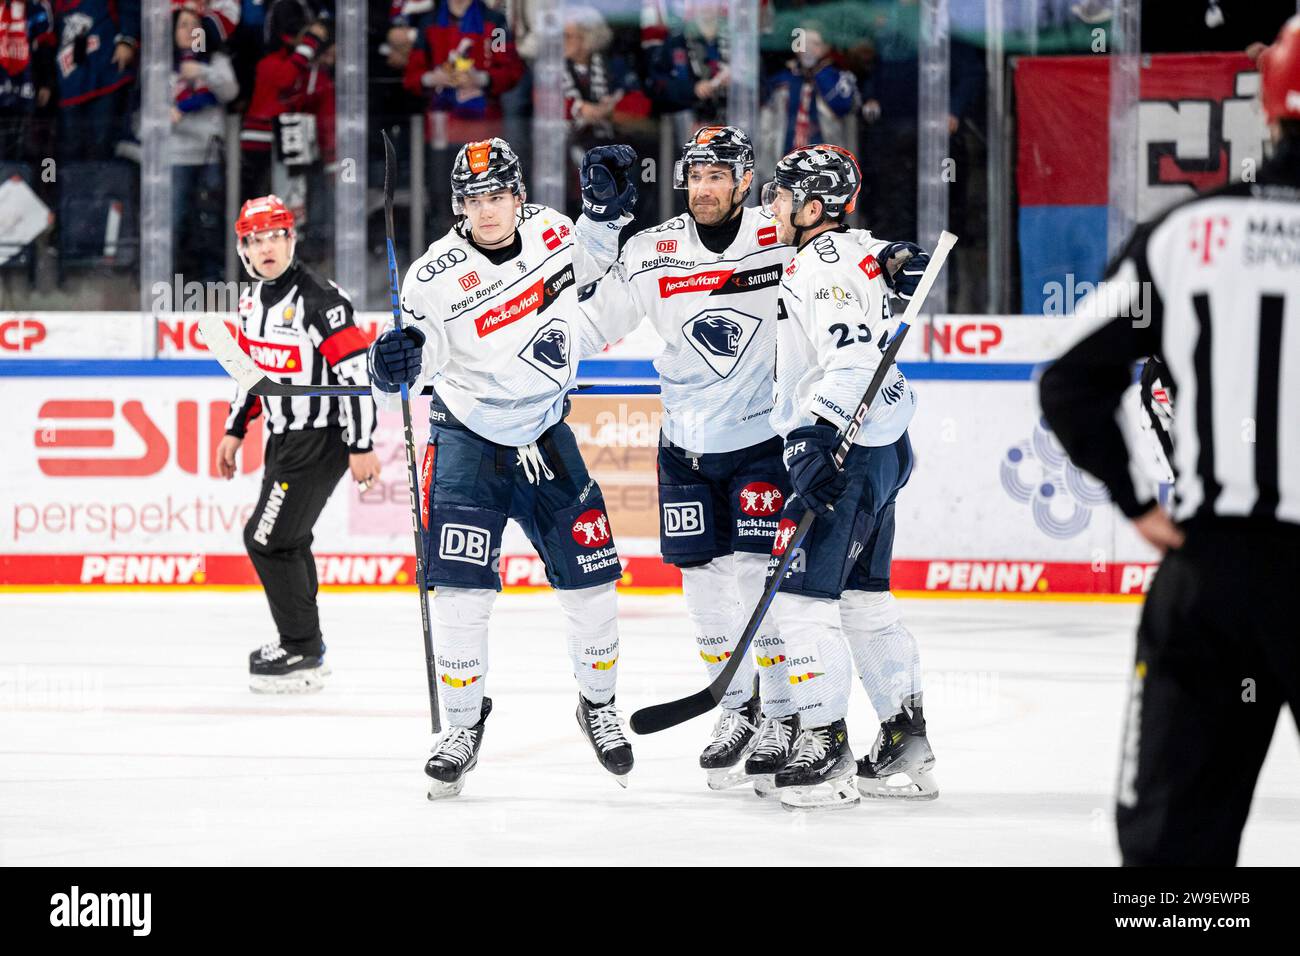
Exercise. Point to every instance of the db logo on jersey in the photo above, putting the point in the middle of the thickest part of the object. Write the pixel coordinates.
(666, 245)
(591, 530)
(784, 534)
(766, 236)
(870, 266)
(759, 498)
(468, 282)
(682, 519)
(463, 542)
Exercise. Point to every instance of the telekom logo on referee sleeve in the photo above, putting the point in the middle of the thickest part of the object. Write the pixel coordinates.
(502, 315)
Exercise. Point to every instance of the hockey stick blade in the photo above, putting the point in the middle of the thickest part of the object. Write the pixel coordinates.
(657, 717)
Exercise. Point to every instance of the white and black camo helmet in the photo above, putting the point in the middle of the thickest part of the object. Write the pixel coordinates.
(485, 167)
(715, 146)
(825, 172)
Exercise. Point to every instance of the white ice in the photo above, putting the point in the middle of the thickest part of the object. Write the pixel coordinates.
(128, 736)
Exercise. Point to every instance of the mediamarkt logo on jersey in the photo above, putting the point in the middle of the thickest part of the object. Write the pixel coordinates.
(704, 282)
(502, 315)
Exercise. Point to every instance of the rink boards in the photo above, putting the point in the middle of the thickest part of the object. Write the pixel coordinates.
(110, 479)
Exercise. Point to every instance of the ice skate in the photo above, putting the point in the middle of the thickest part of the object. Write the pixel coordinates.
(274, 670)
(734, 736)
(820, 774)
(773, 745)
(601, 726)
(901, 763)
(455, 755)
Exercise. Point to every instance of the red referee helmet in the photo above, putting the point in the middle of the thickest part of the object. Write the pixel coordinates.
(264, 214)
(1279, 71)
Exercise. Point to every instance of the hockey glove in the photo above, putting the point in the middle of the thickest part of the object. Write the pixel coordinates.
(810, 459)
(905, 263)
(394, 358)
(607, 189)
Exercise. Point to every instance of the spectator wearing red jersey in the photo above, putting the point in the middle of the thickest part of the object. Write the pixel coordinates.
(462, 60)
(26, 70)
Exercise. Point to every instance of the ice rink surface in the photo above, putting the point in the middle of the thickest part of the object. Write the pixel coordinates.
(128, 736)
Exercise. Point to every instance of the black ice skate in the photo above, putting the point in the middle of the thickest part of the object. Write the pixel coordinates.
(819, 776)
(773, 745)
(272, 669)
(454, 755)
(901, 763)
(733, 740)
(600, 725)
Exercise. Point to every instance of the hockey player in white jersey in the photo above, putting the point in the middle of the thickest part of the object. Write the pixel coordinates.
(491, 318)
(708, 281)
(834, 322)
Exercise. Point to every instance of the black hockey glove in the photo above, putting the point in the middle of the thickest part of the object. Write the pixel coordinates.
(810, 459)
(394, 358)
(904, 264)
(607, 188)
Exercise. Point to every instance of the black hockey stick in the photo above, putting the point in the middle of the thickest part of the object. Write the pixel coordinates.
(650, 720)
(412, 468)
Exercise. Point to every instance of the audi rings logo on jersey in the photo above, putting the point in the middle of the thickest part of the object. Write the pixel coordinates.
(591, 529)
(1060, 497)
(666, 245)
(468, 282)
(825, 249)
(452, 257)
(758, 498)
(784, 535)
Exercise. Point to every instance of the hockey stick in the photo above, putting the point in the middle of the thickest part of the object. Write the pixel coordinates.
(650, 720)
(412, 468)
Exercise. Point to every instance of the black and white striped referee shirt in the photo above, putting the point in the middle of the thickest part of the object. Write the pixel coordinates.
(1212, 287)
(299, 330)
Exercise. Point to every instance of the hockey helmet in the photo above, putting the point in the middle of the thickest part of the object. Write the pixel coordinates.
(825, 172)
(1279, 74)
(264, 214)
(715, 146)
(485, 167)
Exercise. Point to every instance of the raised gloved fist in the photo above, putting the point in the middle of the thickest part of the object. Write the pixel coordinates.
(810, 460)
(607, 188)
(394, 358)
(904, 263)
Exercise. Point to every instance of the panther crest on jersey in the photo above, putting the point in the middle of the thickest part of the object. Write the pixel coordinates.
(720, 336)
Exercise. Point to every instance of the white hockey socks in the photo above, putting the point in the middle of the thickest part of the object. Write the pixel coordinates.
(461, 651)
(591, 617)
(884, 651)
(714, 606)
(768, 649)
(817, 660)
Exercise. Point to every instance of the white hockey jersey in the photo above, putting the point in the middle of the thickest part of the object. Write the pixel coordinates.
(502, 342)
(717, 316)
(835, 313)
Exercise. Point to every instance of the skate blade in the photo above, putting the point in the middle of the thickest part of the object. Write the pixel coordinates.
(441, 791)
(830, 795)
(621, 780)
(899, 786)
(299, 682)
(725, 778)
(764, 785)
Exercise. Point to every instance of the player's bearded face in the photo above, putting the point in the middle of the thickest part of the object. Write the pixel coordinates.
(710, 193)
(492, 217)
(268, 252)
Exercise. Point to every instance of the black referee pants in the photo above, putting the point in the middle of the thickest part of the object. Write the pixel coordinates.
(1218, 654)
(302, 469)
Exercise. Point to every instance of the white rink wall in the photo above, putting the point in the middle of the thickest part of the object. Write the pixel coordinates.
(109, 478)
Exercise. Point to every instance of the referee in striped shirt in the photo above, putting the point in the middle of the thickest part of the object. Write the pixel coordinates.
(1217, 650)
